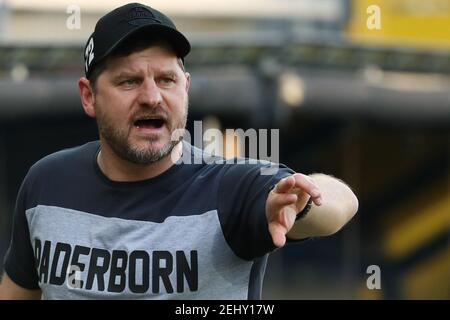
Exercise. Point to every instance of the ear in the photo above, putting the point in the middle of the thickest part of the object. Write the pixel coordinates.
(87, 96)
(188, 81)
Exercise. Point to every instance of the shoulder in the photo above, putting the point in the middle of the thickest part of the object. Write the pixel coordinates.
(257, 169)
(66, 160)
(194, 155)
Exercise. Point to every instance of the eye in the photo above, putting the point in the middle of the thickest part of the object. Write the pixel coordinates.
(166, 81)
(129, 82)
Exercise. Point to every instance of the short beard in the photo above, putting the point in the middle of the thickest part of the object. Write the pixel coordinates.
(118, 141)
(139, 156)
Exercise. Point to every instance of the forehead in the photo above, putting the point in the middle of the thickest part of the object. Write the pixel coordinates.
(154, 57)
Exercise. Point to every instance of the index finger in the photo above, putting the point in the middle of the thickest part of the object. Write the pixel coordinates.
(306, 184)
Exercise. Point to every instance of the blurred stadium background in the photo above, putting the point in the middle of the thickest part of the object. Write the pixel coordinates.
(371, 106)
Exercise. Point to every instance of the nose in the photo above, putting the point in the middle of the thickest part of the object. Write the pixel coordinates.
(149, 93)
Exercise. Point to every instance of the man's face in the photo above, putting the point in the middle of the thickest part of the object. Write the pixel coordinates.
(140, 100)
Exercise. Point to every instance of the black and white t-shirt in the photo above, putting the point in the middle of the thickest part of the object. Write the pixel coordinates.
(196, 231)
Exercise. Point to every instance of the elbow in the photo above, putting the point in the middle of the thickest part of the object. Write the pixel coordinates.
(353, 206)
(349, 206)
(348, 211)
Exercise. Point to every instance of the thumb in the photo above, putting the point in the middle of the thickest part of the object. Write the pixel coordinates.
(278, 233)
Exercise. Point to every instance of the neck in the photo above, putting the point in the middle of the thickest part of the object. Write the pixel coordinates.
(117, 169)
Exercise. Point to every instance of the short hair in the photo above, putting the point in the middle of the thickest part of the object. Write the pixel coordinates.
(134, 43)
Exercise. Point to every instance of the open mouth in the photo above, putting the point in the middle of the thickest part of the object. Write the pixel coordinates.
(156, 123)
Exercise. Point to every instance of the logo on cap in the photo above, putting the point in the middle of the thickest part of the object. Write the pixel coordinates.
(136, 16)
(89, 53)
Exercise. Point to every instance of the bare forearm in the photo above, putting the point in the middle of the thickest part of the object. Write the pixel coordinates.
(339, 205)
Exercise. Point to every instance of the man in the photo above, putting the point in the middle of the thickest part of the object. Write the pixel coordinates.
(124, 217)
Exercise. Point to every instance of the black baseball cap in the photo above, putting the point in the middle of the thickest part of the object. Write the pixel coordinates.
(125, 21)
